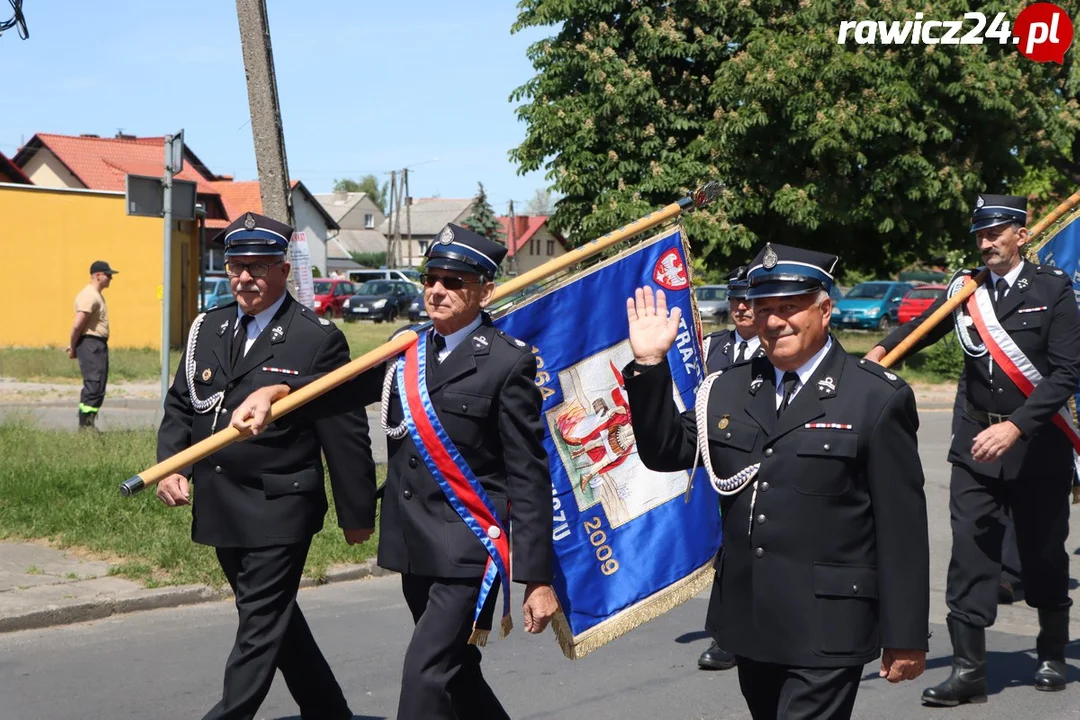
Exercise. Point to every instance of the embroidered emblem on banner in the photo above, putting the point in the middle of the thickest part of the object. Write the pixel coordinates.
(670, 272)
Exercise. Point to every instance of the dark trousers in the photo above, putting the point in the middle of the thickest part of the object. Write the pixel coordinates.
(441, 679)
(1039, 506)
(1010, 553)
(273, 635)
(779, 692)
(93, 355)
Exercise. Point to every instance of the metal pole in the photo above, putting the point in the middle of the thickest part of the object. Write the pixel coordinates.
(166, 278)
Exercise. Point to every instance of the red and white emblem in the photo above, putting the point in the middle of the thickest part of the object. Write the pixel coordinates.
(670, 272)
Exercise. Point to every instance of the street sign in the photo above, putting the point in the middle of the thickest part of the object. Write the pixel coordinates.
(176, 159)
(145, 196)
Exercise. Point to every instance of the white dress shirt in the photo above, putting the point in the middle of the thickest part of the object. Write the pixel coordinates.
(804, 372)
(456, 338)
(262, 319)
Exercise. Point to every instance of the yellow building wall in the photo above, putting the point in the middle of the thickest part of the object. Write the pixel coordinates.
(50, 236)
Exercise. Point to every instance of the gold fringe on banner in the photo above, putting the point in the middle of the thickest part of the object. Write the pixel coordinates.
(648, 609)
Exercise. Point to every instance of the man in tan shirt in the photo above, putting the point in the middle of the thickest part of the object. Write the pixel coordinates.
(90, 341)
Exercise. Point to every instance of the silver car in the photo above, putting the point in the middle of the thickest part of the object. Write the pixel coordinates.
(712, 302)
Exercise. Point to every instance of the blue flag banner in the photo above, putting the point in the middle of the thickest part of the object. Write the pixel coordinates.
(1062, 250)
(630, 543)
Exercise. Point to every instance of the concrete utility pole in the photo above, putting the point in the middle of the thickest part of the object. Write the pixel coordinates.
(266, 126)
(391, 250)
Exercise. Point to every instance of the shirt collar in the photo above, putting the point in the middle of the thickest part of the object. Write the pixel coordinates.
(807, 369)
(262, 319)
(750, 342)
(456, 338)
(1010, 277)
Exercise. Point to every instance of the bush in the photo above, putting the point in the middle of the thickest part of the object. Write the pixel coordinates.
(945, 357)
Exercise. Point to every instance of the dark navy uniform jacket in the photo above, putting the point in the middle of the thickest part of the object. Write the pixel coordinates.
(827, 562)
(1040, 315)
(269, 489)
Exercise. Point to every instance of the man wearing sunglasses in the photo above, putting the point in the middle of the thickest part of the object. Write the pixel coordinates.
(479, 388)
(259, 502)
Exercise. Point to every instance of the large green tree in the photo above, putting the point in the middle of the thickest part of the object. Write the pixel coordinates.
(873, 152)
(368, 184)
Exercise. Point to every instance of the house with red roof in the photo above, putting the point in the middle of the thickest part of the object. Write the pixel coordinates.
(530, 243)
(12, 173)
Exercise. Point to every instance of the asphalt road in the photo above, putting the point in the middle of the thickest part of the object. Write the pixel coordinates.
(167, 663)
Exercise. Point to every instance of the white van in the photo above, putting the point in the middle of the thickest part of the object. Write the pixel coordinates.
(359, 276)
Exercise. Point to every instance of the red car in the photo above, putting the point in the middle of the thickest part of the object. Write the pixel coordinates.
(917, 300)
(330, 296)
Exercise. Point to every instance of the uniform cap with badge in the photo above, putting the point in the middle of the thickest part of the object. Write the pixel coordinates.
(993, 210)
(737, 283)
(781, 270)
(254, 234)
(460, 249)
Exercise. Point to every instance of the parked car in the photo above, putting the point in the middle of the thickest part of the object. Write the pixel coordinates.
(359, 276)
(870, 304)
(214, 291)
(917, 300)
(713, 304)
(380, 300)
(330, 296)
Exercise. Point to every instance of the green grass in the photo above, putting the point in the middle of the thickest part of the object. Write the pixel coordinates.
(144, 365)
(62, 487)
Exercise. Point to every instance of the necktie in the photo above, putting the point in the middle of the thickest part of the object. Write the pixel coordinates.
(1002, 288)
(742, 352)
(240, 338)
(791, 378)
(440, 344)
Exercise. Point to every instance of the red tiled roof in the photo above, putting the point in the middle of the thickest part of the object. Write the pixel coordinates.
(10, 172)
(102, 163)
(526, 226)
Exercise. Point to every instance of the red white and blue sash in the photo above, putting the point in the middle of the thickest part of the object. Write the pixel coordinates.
(1011, 359)
(455, 478)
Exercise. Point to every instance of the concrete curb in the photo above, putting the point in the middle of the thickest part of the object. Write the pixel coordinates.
(21, 610)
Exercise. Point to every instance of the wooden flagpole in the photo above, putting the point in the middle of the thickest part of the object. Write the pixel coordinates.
(151, 476)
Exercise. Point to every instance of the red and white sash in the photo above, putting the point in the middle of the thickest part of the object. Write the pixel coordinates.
(1010, 358)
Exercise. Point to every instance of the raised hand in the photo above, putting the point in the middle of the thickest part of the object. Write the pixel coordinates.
(652, 328)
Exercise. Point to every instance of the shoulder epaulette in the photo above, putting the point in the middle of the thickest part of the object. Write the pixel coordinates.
(325, 325)
(519, 345)
(882, 372)
(1050, 270)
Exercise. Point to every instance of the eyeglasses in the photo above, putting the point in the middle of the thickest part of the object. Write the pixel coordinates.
(450, 282)
(255, 270)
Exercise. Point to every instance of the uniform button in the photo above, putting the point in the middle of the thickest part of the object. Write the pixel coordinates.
(217, 469)
(855, 589)
(760, 552)
(761, 519)
(1001, 390)
(413, 462)
(296, 486)
(407, 494)
(494, 532)
(464, 408)
(764, 487)
(727, 436)
(826, 446)
(768, 452)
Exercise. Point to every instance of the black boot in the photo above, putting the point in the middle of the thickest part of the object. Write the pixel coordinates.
(86, 420)
(716, 658)
(967, 683)
(1053, 637)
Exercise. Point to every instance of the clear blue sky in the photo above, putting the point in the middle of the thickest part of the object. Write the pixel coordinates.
(365, 87)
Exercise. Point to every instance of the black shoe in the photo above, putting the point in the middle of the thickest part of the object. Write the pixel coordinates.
(1053, 637)
(967, 682)
(716, 658)
(1006, 593)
